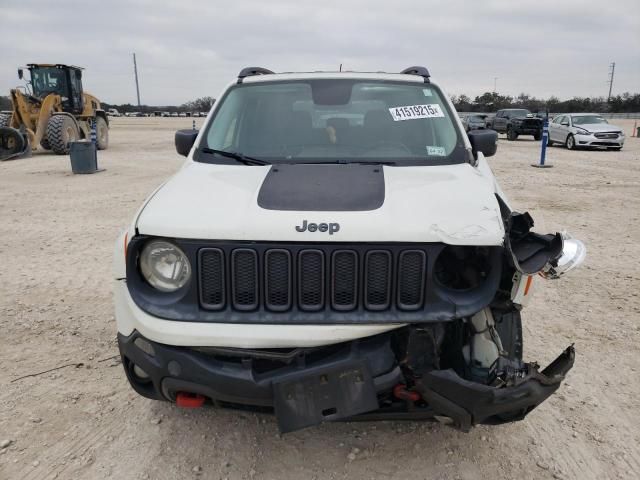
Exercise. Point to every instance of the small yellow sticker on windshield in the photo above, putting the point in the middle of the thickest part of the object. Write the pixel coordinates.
(413, 112)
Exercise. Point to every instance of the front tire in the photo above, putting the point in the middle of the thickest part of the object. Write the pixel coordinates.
(570, 143)
(537, 137)
(511, 134)
(102, 133)
(61, 130)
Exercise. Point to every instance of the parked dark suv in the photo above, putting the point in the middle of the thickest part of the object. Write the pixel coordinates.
(517, 121)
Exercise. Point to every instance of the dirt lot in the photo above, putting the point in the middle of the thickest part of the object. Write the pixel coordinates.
(56, 239)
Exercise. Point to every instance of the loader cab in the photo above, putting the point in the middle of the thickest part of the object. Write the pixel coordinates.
(63, 80)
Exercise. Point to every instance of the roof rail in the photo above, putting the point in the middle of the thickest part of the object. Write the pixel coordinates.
(251, 71)
(422, 71)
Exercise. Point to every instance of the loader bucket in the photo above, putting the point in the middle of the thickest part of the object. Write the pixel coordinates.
(13, 144)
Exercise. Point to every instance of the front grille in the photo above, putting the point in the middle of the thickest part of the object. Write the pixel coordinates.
(312, 279)
(606, 135)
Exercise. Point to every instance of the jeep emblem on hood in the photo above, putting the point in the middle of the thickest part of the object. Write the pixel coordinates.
(318, 227)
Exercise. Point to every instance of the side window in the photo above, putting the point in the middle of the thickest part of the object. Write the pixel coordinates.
(500, 114)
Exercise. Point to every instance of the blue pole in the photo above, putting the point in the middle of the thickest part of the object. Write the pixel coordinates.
(545, 140)
(545, 137)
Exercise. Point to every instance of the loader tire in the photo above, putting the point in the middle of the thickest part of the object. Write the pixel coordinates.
(102, 133)
(61, 129)
(4, 120)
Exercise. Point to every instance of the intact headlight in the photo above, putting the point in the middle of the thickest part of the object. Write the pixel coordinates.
(582, 131)
(164, 266)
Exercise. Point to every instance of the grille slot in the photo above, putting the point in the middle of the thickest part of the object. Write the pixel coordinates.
(311, 280)
(377, 280)
(278, 280)
(411, 279)
(212, 293)
(344, 270)
(244, 272)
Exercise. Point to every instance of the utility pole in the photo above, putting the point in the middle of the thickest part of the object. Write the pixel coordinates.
(135, 71)
(612, 70)
(495, 84)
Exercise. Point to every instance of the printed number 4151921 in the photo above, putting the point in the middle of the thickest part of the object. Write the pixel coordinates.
(411, 112)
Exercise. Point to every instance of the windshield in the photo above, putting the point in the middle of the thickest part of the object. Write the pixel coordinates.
(519, 113)
(46, 80)
(587, 119)
(335, 121)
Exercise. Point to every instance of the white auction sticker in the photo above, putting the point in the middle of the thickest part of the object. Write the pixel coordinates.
(436, 151)
(413, 112)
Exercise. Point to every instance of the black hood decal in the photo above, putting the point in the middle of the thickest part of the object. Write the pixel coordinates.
(314, 187)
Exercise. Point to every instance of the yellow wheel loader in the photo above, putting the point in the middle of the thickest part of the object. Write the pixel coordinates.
(51, 111)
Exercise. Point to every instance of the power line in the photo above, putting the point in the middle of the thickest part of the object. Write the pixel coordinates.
(612, 70)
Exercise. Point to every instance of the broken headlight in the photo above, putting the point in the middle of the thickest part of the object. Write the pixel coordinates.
(573, 254)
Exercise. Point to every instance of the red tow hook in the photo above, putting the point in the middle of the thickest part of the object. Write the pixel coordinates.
(400, 392)
(189, 400)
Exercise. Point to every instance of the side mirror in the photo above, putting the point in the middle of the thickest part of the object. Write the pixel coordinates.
(20, 73)
(485, 141)
(565, 124)
(184, 141)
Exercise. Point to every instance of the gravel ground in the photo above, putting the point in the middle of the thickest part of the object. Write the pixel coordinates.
(84, 421)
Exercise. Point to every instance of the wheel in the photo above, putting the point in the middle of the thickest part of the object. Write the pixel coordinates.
(102, 133)
(4, 119)
(570, 143)
(511, 134)
(61, 129)
(12, 143)
(537, 137)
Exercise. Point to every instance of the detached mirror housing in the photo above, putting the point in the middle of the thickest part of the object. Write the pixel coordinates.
(483, 140)
(184, 140)
(20, 73)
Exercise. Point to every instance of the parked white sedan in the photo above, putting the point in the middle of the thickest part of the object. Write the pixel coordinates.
(574, 130)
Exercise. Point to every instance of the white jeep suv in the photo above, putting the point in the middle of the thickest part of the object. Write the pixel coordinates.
(335, 246)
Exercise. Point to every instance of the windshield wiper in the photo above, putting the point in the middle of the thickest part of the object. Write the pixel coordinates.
(236, 156)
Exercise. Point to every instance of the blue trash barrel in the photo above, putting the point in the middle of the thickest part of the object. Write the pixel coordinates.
(83, 157)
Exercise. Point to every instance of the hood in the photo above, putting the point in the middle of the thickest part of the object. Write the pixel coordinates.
(454, 204)
(599, 127)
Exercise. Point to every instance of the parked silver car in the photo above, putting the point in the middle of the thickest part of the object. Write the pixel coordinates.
(574, 130)
(474, 122)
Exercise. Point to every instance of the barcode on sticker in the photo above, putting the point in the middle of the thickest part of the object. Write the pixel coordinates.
(412, 112)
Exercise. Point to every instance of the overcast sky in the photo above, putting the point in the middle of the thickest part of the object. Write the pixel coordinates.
(188, 49)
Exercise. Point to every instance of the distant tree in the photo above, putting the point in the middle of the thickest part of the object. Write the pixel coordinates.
(202, 104)
(5, 103)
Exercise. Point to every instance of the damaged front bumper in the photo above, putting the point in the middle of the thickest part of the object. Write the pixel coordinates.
(358, 380)
(463, 403)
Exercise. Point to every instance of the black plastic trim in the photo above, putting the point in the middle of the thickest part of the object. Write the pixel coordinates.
(417, 305)
(203, 302)
(323, 280)
(388, 294)
(267, 287)
(234, 288)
